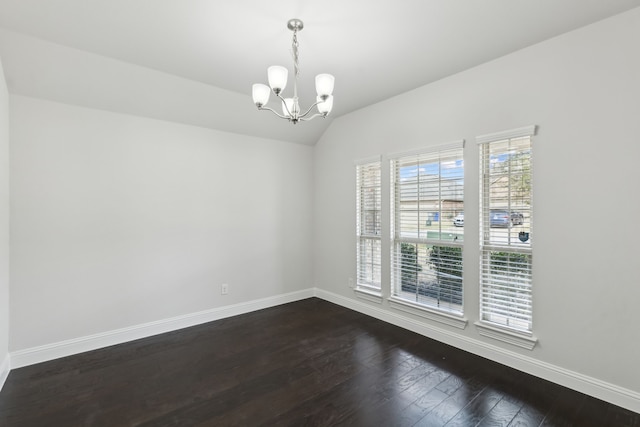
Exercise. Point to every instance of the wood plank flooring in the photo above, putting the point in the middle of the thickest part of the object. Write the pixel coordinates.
(308, 363)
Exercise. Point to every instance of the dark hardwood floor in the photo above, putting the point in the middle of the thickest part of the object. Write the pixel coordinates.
(305, 363)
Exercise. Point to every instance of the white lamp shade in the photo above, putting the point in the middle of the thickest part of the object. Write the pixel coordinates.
(261, 94)
(324, 107)
(289, 102)
(324, 84)
(277, 77)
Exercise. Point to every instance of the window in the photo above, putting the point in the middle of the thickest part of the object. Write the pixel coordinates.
(427, 194)
(368, 204)
(505, 230)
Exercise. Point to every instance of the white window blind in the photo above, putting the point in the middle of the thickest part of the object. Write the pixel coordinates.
(427, 193)
(506, 229)
(368, 206)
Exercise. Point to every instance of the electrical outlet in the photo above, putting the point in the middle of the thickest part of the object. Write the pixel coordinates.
(351, 283)
(224, 289)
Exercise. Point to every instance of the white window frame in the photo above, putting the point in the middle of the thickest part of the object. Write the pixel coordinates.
(511, 322)
(369, 283)
(426, 309)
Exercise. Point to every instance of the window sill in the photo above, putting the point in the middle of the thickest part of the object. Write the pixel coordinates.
(419, 310)
(523, 340)
(369, 294)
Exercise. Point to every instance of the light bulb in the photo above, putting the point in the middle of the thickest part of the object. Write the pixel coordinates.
(261, 94)
(324, 85)
(289, 106)
(324, 107)
(277, 78)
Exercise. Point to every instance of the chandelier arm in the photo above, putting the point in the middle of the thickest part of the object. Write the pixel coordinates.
(306, 119)
(285, 106)
(309, 110)
(274, 112)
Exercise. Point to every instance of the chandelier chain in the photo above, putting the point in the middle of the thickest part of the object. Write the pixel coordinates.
(294, 53)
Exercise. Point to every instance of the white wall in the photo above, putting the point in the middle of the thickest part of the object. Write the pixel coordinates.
(121, 220)
(583, 90)
(4, 228)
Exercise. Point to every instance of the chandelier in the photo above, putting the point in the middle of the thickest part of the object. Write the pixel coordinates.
(277, 76)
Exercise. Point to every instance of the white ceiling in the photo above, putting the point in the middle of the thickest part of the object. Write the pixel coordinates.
(211, 51)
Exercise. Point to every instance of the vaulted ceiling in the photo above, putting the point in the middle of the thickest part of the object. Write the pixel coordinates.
(194, 61)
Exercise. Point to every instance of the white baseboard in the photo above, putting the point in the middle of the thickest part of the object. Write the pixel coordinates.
(4, 370)
(603, 390)
(70, 347)
(592, 386)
